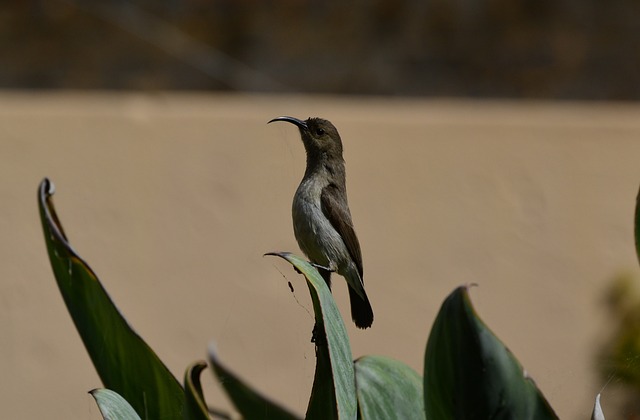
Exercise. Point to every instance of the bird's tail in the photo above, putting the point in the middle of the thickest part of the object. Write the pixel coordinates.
(361, 310)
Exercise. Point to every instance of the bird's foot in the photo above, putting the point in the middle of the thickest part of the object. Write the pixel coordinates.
(329, 269)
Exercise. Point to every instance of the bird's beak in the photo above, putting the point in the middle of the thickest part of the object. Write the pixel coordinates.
(301, 124)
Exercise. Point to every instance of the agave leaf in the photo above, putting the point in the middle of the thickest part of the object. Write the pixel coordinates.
(470, 374)
(124, 362)
(637, 225)
(195, 405)
(250, 403)
(333, 394)
(388, 389)
(112, 406)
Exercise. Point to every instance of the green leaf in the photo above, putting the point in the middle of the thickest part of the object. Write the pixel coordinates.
(637, 225)
(195, 405)
(470, 374)
(124, 362)
(112, 406)
(388, 389)
(333, 394)
(250, 403)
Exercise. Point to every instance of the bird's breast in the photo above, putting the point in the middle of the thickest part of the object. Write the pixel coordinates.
(314, 233)
(307, 212)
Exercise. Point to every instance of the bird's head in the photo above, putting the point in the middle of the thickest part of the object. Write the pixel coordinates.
(319, 136)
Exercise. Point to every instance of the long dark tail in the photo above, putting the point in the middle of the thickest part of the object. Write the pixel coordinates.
(361, 310)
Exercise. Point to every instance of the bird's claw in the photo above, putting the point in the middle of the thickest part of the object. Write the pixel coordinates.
(329, 269)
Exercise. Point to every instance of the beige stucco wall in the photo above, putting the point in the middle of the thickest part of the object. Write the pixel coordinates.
(173, 199)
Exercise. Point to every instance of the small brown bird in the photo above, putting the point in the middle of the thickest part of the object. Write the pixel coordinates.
(321, 217)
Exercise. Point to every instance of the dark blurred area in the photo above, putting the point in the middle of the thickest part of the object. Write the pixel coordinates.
(556, 49)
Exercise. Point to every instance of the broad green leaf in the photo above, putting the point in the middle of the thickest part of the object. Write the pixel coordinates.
(470, 374)
(112, 406)
(124, 362)
(333, 394)
(250, 403)
(195, 405)
(388, 389)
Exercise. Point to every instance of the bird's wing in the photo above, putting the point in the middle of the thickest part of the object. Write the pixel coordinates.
(340, 218)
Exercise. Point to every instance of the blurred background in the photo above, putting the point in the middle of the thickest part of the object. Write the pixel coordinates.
(564, 49)
(492, 142)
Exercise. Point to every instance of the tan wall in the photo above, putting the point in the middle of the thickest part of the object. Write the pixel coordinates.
(173, 199)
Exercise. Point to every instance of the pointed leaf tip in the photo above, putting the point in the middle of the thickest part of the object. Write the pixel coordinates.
(195, 405)
(112, 406)
(49, 187)
(334, 392)
(249, 403)
(597, 410)
(465, 361)
(124, 362)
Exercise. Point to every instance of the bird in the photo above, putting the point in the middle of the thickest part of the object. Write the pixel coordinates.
(322, 221)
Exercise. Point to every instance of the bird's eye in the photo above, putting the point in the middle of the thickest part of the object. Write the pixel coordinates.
(319, 131)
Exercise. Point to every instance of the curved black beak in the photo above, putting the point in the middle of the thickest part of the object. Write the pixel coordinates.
(301, 124)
